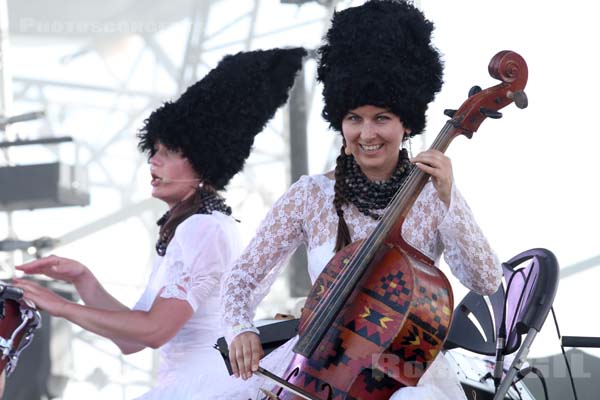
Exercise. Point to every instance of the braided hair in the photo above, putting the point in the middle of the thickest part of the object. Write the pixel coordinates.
(343, 237)
(379, 53)
(353, 186)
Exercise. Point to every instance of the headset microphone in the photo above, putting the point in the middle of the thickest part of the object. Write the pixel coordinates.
(169, 180)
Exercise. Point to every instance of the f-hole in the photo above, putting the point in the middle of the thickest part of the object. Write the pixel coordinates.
(292, 374)
(329, 391)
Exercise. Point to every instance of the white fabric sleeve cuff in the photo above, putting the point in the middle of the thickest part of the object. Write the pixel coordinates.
(234, 331)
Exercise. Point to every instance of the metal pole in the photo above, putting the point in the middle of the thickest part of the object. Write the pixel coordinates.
(515, 366)
(6, 102)
(298, 278)
(6, 94)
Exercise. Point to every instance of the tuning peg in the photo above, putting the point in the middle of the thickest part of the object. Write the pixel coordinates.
(474, 90)
(488, 112)
(449, 113)
(520, 98)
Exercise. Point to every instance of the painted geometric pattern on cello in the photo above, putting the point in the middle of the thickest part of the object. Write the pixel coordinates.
(322, 284)
(336, 354)
(375, 381)
(369, 326)
(392, 297)
(392, 291)
(414, 346)
(325, 281)
(422, 336)
(433, 315)
(369, 383)
(316, 385)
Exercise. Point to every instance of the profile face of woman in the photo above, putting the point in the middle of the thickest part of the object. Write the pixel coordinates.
(373, 135)
(173, 177)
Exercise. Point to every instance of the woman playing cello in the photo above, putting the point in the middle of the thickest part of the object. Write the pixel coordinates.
(379, 73)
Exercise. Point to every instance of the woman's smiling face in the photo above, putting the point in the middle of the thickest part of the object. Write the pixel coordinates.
(373, 135)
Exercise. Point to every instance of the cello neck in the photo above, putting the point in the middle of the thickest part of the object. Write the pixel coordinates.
(408, 192)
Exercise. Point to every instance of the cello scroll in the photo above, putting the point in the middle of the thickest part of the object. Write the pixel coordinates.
(508, 67)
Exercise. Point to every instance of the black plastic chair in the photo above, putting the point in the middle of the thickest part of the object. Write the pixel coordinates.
(519, 307)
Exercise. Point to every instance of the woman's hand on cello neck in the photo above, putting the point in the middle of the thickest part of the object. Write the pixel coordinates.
(245, 351)
(439, 166)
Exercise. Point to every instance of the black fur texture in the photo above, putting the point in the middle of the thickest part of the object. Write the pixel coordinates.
(380, 54)
(215, 120)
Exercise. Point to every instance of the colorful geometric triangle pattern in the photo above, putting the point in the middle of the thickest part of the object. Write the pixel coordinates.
(392, 291)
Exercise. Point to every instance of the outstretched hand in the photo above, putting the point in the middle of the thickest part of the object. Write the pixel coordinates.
(55, 267)
(42, 297)
(439, 166)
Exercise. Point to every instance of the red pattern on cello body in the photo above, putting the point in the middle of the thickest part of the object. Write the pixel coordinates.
(395, 315)
(403, 307)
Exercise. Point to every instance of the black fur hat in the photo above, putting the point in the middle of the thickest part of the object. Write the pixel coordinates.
(214, 122)
(380, 54)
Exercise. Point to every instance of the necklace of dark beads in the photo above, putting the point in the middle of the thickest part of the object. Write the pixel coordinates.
(368, 195)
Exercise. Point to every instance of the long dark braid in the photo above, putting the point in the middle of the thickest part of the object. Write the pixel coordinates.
(343, 232)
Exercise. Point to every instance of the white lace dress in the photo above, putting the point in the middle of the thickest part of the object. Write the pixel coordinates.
(305, 214)
(202, 249)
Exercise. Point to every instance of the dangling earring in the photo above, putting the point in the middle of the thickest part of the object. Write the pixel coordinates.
(347, 151)
(407, 143)
(200, 185)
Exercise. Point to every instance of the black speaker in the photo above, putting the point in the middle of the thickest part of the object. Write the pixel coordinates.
(28, 187)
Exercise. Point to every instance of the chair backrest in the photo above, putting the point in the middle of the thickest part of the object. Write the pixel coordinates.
(528, 290)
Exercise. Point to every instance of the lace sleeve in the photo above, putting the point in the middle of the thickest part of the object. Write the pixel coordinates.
(279, 234)
(195, 260)
(467, 250)
(433, 228)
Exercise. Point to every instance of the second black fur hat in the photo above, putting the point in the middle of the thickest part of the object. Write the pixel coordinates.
(215, 120)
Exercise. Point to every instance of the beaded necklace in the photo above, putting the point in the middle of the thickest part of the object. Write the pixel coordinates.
(368, 195)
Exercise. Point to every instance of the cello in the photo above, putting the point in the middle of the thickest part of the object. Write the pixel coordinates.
(378, 314)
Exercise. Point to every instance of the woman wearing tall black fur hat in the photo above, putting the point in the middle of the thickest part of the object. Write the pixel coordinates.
(195, 146)
(379, 72)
